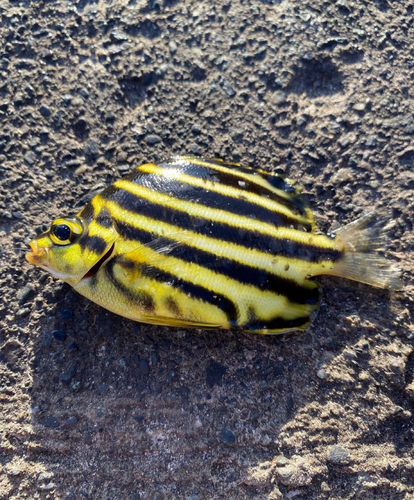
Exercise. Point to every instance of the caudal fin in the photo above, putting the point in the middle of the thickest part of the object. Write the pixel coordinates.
(365, 240)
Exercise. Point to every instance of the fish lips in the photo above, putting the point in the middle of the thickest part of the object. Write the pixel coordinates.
(38, 256)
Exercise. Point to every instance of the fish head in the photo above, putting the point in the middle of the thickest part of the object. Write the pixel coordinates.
(72, 249)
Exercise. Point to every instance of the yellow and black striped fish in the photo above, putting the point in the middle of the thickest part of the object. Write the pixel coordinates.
(204, 243)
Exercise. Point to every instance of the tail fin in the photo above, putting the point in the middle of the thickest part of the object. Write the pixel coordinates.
(364, 241)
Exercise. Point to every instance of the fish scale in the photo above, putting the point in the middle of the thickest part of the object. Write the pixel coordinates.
(208, 244)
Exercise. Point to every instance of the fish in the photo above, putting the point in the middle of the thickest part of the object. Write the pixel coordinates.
(204, 243)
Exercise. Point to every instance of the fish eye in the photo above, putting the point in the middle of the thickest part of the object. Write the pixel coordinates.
(62, 232)
(65, 231)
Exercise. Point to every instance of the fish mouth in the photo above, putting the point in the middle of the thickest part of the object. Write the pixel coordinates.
(37, 256)
(95, 268)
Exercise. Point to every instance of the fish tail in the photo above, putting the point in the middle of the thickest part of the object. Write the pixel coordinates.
(364, 242)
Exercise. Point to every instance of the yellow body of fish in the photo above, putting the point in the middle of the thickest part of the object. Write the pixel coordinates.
(204, 243)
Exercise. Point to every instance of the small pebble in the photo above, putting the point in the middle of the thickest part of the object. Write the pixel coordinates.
(81, 170)
(84, 93)
(69, 422)
(75, 386)
(67, 99)
(144, 367)
(196, 129)
(65, 314)
(155, 358)
(136, 329)
(110, 117)
(23, 312)
(77, 101)
(47, 487)
(118, 36)
(101, 389)
(279, 97)
(359, 106)
(153, 139)
(45, 476)
(59, 335)
(343, 4)
(339, 455)
(68, 375)
(81, 127)
(236, 133)
(281, 461)
(195, 149)
(73, 163)
(44, 111)
(30, 157)
(227, 436)
(285, 473)
(229, 90)
(91, 148)
(50, 422)
(215, 373)
(26, 293)
(343, 175)
(322, 373)
(359, 32)
(276, 494)
(18, 99)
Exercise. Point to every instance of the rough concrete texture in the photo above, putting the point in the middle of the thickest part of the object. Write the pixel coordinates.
(94, 406)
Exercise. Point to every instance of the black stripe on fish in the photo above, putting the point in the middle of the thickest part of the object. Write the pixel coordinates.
(231, 178)
(240, 206)
(104, 218)
(172, 306)
(87, 213)
(144, 299)
(276, 181)
(277, 324)
(242, 273)
(190, 289)
(220, 231)
(93, 243)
